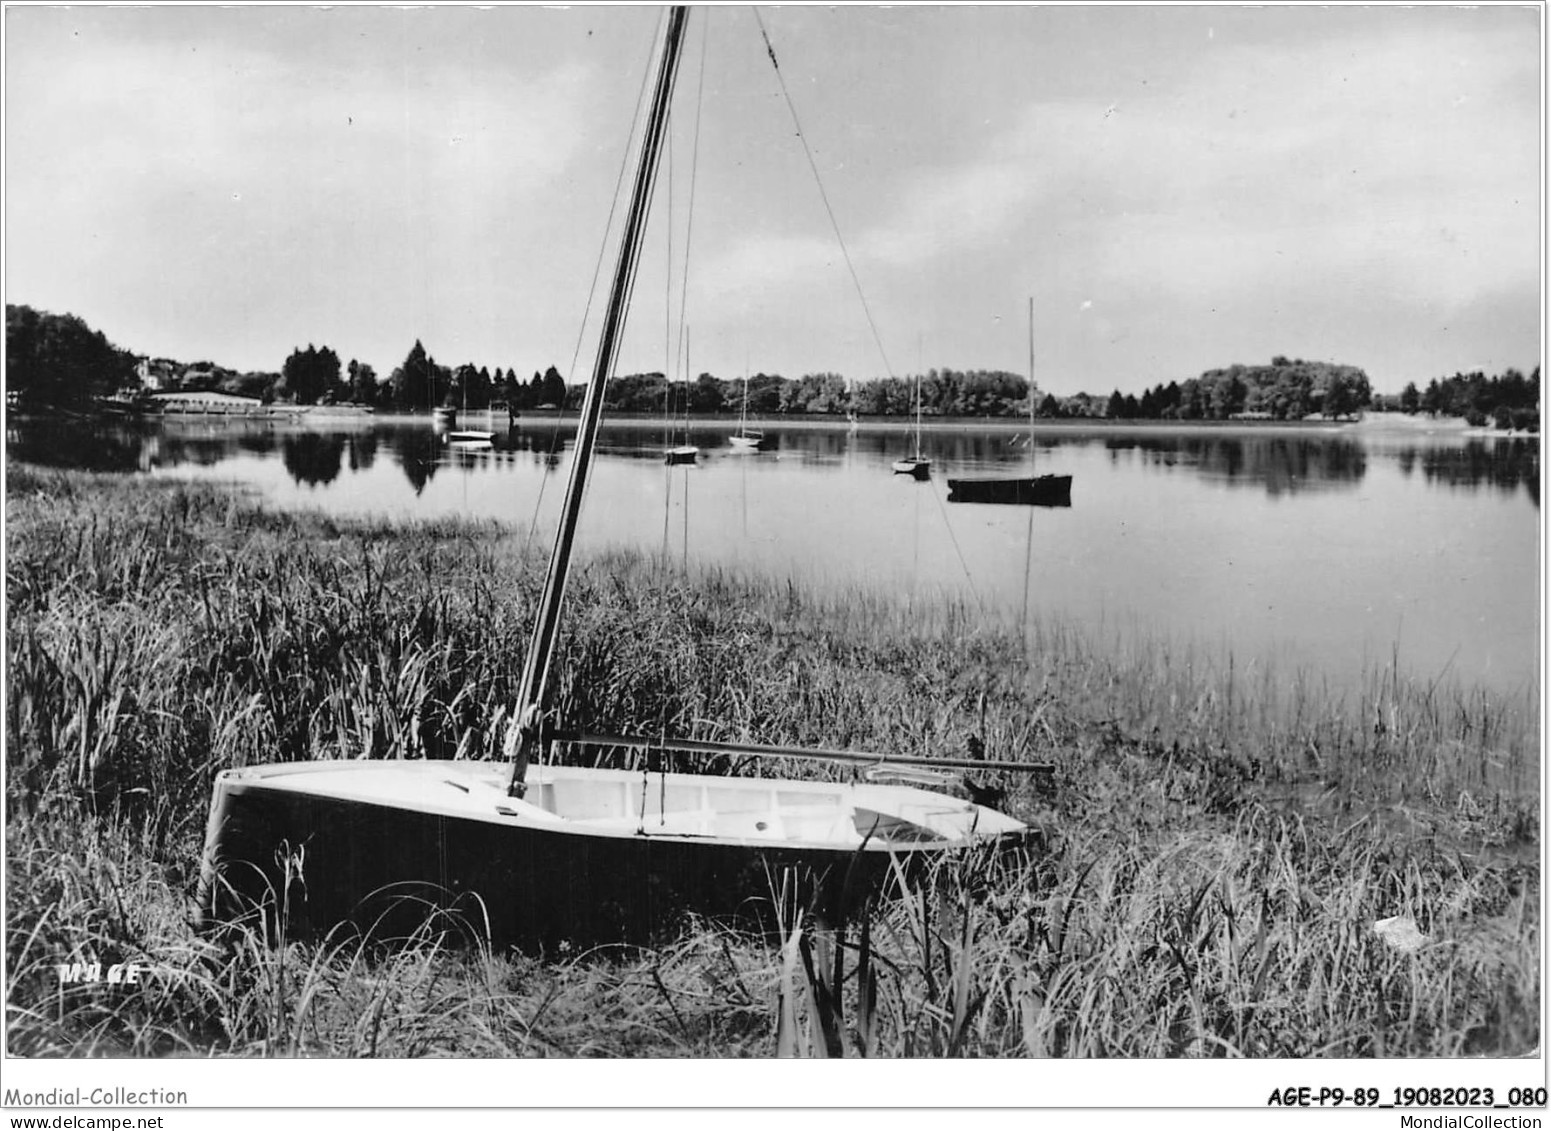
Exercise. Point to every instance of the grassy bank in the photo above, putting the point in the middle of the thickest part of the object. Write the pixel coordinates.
(1221, 842)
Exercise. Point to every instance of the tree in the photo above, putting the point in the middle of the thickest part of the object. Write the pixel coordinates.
(1192, 403)
(765, 393)
(553, 388)
(255, 385)
(59, 359)
(707, 395)
(292, 385)
(1292, 394)
(463, 393)
(1228, 396)
(1432, 399)
(311, 375)
(412, 381)
(441, 384)
(331, 384)
(1410, 399)
(823, 393)
(1340, 397)
(363, 383)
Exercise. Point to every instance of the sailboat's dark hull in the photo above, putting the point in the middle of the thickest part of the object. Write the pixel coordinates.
(1036, 491)
(388, 872)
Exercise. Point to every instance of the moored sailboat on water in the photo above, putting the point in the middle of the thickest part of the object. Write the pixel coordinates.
(917, 466)
(1027, 490)
(747, 439)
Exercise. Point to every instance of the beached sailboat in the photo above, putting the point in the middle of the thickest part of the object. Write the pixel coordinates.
(1028, 490)
(529, 849)
(917, 465)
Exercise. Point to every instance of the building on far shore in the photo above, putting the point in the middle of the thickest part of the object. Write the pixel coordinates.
(206, 402)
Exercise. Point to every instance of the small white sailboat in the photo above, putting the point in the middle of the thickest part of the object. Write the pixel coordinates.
(747, 439)
(529, 849)
(916, 466)
(685, 452)
(467, 437)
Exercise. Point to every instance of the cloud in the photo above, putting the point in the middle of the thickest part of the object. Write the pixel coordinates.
(251, 184)
(1406, 150)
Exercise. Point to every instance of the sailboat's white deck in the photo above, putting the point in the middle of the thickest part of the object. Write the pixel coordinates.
(629, 803)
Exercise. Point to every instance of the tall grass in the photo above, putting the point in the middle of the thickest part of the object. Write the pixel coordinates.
(1254, 942)
(1223, 836)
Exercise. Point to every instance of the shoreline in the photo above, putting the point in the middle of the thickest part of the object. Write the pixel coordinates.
(360, 416)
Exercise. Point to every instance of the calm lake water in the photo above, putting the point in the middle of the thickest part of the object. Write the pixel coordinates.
(1321, 550)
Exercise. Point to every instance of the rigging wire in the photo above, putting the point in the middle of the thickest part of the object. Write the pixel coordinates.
(685, 508)
(851, 267)
(1028, 554)
(813, 165)
(669, 418)
(689, 217)
(679, 354)
(958, 551)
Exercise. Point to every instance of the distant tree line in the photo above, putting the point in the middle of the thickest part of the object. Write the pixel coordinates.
(58, 359)
(1284, 390)
(1509, 400)
(944, 392)
(1287, 389)
(420, 383)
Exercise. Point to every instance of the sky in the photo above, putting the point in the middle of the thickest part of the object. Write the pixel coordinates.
(1176, 189)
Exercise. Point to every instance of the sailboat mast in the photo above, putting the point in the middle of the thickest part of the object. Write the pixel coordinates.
(918, 396)
(524, 733)
(918, 412)
(1031, 380)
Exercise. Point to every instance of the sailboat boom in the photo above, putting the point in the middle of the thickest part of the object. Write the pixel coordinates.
(754, 750)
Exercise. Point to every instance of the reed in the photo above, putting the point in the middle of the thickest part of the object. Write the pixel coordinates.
(1223, 836)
